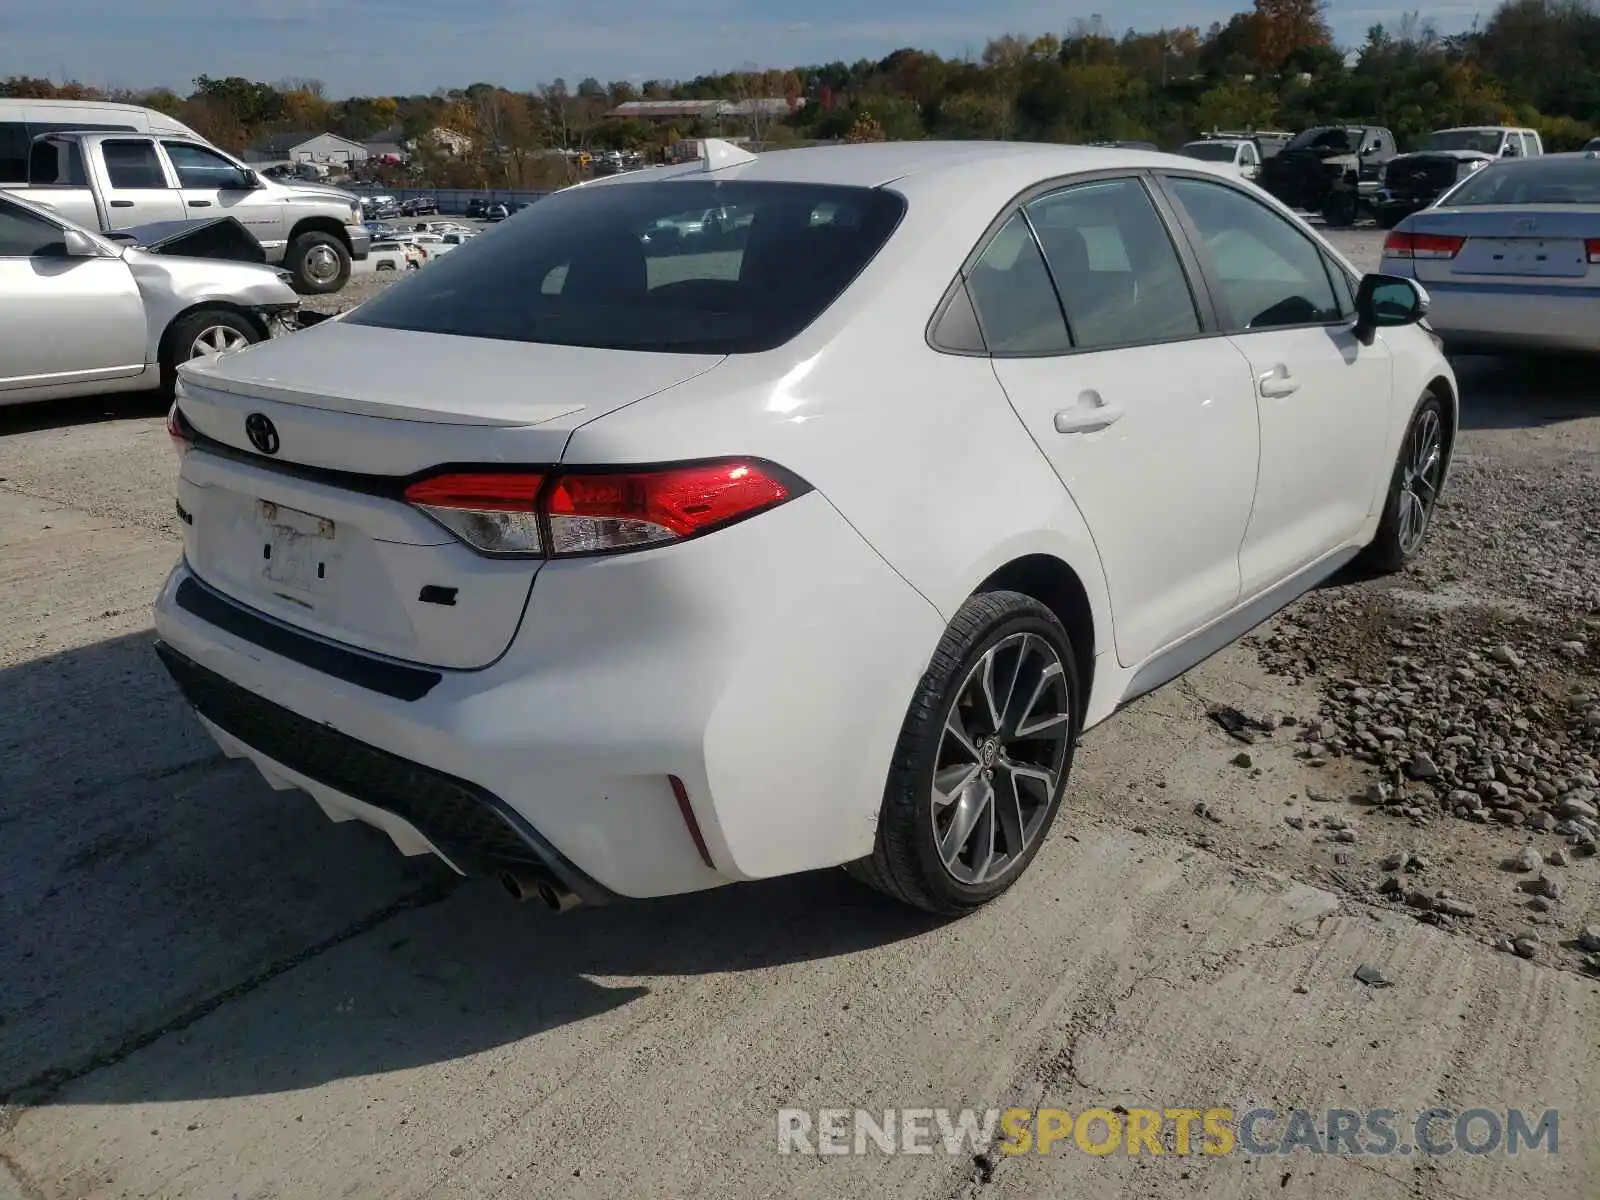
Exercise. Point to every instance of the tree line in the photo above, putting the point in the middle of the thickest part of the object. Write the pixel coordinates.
(1533, 62)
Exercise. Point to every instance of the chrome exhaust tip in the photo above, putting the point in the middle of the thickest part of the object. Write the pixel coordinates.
(529, 883)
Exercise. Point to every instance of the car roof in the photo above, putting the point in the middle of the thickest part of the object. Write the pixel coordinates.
(917, 165)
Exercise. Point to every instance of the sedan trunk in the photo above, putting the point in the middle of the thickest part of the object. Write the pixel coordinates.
(291, 493)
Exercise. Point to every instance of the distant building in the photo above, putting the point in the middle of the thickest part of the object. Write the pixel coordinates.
(321, 149)
(668, 112)
(387, 144)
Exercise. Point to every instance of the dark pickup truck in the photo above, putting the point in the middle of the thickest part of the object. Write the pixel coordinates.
(1333, 170)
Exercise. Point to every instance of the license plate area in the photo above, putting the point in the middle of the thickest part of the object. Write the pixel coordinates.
(1551, 258)
(299, 550)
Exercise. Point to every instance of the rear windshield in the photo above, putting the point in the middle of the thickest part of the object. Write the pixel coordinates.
(1211, 151)
(684, 266)
(1547, 180)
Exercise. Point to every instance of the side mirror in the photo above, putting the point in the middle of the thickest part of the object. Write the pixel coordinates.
(79, 244)
(247, 181)
(1385, 301)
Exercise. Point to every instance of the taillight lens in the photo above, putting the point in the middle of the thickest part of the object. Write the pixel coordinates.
(1421, 245)
(597, 512)
(592, 513)
(178, 430)
(1593, 246)
(494, 513)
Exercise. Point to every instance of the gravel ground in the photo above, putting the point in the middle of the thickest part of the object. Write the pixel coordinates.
(1445, 723)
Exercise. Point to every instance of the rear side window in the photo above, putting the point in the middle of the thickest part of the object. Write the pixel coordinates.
(676, 265)
(1114, 265)
(1014, 298)
(131, 164)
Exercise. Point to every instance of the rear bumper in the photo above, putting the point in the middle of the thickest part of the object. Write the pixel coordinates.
(1513, 316)
(767, 666)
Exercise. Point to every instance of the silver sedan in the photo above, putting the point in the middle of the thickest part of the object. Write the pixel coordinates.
(82, 314)
(1510, 257)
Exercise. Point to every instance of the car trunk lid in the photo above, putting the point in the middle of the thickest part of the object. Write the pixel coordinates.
(292, 494)
(1510, 243)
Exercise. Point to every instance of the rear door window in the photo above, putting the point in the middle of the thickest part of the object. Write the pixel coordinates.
(637, 266)
(1114, 265)
(133, 164)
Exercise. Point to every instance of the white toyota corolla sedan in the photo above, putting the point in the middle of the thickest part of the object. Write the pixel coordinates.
(621, 566)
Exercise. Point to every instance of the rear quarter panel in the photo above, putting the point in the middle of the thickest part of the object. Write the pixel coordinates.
(920, 451)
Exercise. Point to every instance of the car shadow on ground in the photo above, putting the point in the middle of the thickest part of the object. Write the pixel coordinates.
(170, 928)
(1526, 391)
(83, 410)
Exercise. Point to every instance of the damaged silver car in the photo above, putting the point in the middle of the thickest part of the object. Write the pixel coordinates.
(83, 313)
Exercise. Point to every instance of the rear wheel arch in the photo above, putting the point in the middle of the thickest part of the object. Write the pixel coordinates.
(1053, 583)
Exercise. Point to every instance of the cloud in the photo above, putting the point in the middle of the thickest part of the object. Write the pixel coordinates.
(410, 46)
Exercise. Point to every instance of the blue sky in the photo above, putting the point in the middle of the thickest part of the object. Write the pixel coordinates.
(406, 46)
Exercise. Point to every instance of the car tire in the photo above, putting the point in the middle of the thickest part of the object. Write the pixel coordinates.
(1003, 789)
(215, 328)
(319, 262)
(1413, 491)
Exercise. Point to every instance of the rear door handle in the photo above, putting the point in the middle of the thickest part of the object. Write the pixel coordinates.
(1091, 414)
(1277, 382)
(122, 204)
(199, 204)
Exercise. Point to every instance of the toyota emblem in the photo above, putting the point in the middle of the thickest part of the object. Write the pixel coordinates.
(263, 434)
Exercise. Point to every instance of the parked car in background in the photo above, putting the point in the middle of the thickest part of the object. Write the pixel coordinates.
(1237, 153)
(1332, 170)
(112, 181)
(82, 315)
(380, 208)
(1592, 146)
(1511, 256)
(419, 206)
(1410, 182)
(496, 212)
(477, 207)
(590, 564)
(1268, 141)
(395, 255)
(1496, 141)
(23, 120)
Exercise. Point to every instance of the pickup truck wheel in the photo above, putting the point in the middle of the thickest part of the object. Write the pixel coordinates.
(319, 262)
(201, 334)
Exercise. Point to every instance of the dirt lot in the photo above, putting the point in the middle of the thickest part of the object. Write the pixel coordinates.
(207, 990)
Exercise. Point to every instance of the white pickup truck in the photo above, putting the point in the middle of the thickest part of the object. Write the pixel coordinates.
(115, 181)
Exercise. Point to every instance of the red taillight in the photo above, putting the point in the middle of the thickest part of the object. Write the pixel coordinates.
(594, 512)
(615, 511)
(1593, 247)
(178, 430)
(493, 512)
(1421, 245)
